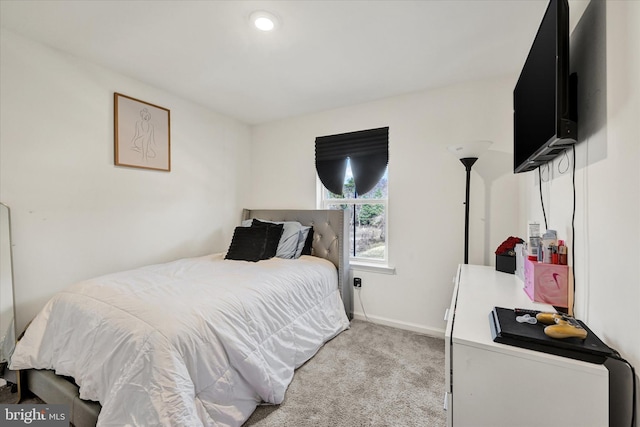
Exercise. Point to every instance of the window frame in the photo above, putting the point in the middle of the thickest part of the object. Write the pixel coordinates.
(324, 201)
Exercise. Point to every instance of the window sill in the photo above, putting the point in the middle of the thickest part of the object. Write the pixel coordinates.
(374, 268)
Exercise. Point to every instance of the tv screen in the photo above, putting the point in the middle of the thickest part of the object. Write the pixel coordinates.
(544, 123)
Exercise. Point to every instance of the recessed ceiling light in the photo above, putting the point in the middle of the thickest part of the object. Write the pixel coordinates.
(263, 20)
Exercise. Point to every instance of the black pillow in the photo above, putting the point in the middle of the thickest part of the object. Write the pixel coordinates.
(248, 244)
(274, 232)
(306, 250)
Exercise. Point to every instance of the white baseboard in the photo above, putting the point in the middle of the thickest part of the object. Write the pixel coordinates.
(432, 332)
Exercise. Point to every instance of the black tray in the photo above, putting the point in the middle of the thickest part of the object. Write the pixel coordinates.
(506, 330)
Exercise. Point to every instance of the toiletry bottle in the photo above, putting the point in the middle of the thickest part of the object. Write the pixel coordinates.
(554, 255)
(534, 245)
(546, 258)
(548, 239)
(540, 252)
(562, 253)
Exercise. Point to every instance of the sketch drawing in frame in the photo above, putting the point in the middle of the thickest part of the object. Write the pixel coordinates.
(142, 134)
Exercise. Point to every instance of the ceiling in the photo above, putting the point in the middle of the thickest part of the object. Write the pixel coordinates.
(324, 54)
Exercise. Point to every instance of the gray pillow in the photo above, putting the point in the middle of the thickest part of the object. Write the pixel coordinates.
(304, 232)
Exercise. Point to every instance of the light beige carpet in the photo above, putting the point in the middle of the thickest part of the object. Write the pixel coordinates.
(370, 375)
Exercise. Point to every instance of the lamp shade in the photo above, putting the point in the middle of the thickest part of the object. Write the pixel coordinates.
(471, 149)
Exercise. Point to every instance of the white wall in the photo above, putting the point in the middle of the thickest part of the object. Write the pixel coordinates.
(75, 215)
(607, 223)
(426, 188)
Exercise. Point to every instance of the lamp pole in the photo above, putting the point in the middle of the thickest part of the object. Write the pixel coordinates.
(468, 163)
(468, 153)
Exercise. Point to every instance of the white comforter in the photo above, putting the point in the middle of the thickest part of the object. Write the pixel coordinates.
(193, 342)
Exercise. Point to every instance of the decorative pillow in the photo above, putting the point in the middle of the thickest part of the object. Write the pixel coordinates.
(247, 244)
(274, 236)
(308, 244)
(288, 243)
(302, 239)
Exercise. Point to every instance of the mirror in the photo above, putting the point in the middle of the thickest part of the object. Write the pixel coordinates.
(7, 310)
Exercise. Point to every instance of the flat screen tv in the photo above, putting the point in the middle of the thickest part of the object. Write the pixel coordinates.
(544, 97)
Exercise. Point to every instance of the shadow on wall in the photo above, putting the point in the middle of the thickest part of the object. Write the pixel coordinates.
(588, 58)
(493, 165)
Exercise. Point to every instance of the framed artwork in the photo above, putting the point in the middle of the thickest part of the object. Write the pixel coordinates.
(142, 134)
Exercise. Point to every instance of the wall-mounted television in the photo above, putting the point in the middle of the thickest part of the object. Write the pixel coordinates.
(544, 99)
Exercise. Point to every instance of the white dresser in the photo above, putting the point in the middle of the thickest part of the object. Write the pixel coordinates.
(494, 385)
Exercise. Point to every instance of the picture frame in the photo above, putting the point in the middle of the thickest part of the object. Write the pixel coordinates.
(142, 134)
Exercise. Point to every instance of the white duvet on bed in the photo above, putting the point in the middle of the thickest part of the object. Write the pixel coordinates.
(198, 341)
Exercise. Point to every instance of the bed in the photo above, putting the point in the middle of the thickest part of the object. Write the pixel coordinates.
(199, 341)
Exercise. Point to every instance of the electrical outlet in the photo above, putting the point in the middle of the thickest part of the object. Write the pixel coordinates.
(357, 282)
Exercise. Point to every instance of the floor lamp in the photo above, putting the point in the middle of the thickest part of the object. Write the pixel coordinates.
(468, 153)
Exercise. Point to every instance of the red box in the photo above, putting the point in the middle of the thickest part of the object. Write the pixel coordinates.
(547, 283)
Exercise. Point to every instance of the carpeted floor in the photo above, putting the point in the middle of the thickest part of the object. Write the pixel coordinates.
(6, 394)
(370, 375)
(9, 395)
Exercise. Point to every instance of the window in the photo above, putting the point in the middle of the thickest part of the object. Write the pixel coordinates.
(368, 217)
(353, 170)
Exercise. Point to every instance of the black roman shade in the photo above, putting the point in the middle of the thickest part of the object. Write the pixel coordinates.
(368, 151)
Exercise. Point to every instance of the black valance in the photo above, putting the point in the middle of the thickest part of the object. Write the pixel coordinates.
(368, 151)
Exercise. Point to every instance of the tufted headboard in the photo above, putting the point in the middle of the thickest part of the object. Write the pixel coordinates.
(330, 234)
